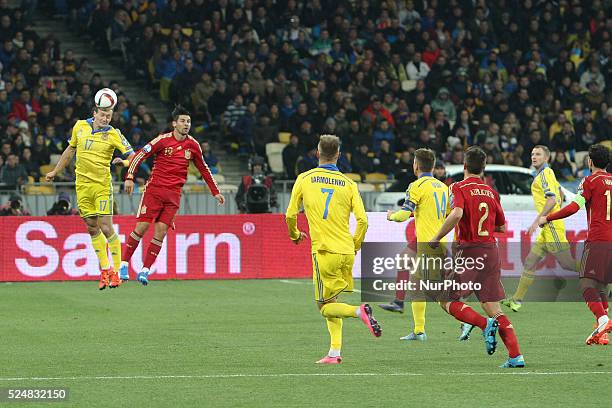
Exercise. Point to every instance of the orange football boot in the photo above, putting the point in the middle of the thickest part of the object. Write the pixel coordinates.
(115, 281)
(104, 279)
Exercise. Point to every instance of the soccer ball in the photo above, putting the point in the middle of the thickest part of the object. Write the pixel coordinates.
(105, 98)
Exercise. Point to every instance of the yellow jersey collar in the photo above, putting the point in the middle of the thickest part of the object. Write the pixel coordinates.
(104, 129)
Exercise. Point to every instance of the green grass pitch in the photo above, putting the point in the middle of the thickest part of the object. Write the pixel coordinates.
(253, 343)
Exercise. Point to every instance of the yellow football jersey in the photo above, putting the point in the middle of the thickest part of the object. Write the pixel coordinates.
(428, 198)
(545, 185)
(94, 151)
(328, 197)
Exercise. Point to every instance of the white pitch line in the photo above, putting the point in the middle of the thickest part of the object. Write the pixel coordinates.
(298, 282)
(280, 375)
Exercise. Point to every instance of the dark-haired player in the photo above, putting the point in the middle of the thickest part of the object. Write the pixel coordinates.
(162, 194)
(477, 211)
(595, 192)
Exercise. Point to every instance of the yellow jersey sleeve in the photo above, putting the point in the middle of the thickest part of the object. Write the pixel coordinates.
(294, 207)
(120, 142)
(360, 215)
(413, 194)
(74, 138)
(548, 182)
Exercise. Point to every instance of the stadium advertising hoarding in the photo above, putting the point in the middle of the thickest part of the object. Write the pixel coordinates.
(204, 246)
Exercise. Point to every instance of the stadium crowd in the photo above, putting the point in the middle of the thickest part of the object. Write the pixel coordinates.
(387, 77)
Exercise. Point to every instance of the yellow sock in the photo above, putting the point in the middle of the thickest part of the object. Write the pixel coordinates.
(334, 326)
(339, 310)
(114, 245)
(527, 279)
(99, 245)
(418, 315)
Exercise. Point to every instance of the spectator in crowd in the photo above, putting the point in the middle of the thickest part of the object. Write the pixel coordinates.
(361, 162)
(383, 132)
(14, 207)
(561, 167)
(404, 173)
(209, 157)
(307, 161)
(439, 171)
(291, 153)
(384, 161)
(13, 174)
(62, 206)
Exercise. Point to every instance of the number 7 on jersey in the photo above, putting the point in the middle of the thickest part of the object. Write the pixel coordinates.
(330, 193)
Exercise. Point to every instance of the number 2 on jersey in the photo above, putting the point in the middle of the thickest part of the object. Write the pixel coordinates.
(330, 193)
(482, 206)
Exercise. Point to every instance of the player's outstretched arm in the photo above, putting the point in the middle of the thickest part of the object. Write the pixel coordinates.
(570, 209)
(549, 205)
(118, 161)
(66, 158)
(451, 222)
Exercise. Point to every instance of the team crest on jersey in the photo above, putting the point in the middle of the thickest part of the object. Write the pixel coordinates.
(168, 151)
(188, 154)
(104, 136)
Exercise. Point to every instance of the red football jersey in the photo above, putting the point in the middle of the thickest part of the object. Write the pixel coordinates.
(597, 192)
(482, 211)
(171, 165)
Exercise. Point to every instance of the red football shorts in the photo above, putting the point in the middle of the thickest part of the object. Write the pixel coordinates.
(596, 262)
(159, 205)
(477, 269)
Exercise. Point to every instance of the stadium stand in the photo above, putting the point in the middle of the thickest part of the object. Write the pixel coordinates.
(505, 76)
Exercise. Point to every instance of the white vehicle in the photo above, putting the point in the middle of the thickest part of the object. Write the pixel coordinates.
(513, 184)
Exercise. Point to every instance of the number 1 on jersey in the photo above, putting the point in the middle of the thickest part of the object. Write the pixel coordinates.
(88, 144)
(330, 193)
(608, 195)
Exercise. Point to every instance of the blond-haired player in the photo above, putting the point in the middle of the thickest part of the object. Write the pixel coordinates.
(328, 198)
(94, 141)
(546, 192)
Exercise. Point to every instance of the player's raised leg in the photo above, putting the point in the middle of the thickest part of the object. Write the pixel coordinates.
(161, 229)
(131, 244)
(98, 241)
(114, 244)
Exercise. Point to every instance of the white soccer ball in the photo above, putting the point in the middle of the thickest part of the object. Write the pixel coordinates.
(105, 98)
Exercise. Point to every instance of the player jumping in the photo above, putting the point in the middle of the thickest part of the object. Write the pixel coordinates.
(595, 192)
(162, 194)
(427, 199)
(476, 208)
(94, 141)
(546, 192)
(328, 198)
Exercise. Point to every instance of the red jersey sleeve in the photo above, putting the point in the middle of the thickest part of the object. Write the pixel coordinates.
(147, 151)
(456, 199)
(584, 189)
(500, 218)
(204, 170)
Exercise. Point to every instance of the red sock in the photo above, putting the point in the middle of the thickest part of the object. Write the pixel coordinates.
(152, 252)
(130, 246)
(604, 300)
(506, 332)
(466, 314)
(400, 294)
(593, 301)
